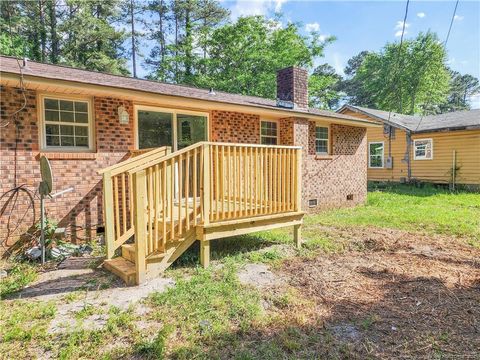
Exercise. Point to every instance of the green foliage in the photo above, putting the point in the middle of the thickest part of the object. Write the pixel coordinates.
(351, 85)
(11, 45)
(155, 348)
(50, 228)
(23, 323)
(77, 33)
(408, 79)
(323, 88)
(92, 41)
(181, 30)
(461, 88)
(244, 56)
(19, 276)
(415, 209)
(207, 305)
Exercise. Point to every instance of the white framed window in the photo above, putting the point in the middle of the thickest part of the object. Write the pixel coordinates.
(268, 132)
(423, 149)
(375, 154)
(66, 123)
(321, 140)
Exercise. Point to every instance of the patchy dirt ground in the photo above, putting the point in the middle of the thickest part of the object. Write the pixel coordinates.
(79, 285)
(380, 294)
(259, 276)
(394, 294)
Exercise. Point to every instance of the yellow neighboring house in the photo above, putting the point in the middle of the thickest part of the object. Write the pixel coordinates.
(441, 148)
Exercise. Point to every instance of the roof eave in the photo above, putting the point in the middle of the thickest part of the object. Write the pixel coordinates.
(353, 108)
(106, 90)
(447, 129)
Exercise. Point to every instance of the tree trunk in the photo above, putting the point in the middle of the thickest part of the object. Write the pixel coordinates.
(53, 32)
(43, 31)
(176, 47)
(162, 37)
(132, 19)
(188, 44)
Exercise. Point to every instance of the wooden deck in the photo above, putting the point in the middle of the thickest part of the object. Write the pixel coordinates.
(166, 201)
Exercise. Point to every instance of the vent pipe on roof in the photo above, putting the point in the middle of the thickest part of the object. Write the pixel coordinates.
(211, 92)
(25, 62)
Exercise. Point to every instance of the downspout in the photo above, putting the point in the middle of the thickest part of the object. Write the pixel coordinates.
(407, 154)
(390, 130)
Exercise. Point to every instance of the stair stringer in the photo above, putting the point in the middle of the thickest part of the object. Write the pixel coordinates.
(157, 266)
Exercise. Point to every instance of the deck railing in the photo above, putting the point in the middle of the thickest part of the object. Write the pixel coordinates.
(166, 207)
(118, 196)
(252, 180)
(161, 197)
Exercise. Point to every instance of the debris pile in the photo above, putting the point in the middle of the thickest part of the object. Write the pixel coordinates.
(59, 252)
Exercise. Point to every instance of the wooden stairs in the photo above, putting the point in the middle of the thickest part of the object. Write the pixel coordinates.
(166, 201)
(124, 266)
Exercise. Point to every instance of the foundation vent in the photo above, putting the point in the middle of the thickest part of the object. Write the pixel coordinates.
(312, 202)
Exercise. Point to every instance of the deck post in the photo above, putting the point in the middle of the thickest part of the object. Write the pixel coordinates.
(298, 181)
(206, 184)
(140, 197)
(205, 253)
(297, 236)
(108, 216)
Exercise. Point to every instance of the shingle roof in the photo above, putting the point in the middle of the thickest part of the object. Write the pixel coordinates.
(458, 120)
(65, 73)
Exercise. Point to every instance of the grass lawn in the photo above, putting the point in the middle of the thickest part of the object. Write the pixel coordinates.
(414, 209)
(392, 278)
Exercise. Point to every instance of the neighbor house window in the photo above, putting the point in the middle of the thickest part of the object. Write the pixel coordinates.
(321, 140)
(268, 133)
(423, 149)
(375, 154)
(66, 124)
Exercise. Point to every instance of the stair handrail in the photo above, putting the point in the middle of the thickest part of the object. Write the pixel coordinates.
(169, 156)
(132, 162)
(118, 200)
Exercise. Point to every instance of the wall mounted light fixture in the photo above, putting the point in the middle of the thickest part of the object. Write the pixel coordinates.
(123, 115)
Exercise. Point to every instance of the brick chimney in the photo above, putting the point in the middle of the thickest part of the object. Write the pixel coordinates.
(292, 86)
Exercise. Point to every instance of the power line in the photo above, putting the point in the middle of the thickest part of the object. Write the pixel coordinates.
(397, 84)
(399, 62)
(436, 74)
(451, 24)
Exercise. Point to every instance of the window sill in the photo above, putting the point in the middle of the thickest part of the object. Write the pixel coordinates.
(323, 157)
(55, 155)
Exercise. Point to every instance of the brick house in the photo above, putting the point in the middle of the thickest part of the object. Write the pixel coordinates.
(84, 121)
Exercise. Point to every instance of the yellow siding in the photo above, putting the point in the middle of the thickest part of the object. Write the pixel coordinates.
(466, 144)
(398, 148)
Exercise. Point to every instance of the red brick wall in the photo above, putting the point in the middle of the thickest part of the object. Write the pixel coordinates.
(79, 211)
(229, 126)
(329, 179)
(344, 173)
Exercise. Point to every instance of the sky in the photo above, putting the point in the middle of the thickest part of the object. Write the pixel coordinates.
(369, 25)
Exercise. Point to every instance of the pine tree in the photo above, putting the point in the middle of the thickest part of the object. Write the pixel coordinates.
(190, 22)
(93, 42)
(158, 27)
(12, 41)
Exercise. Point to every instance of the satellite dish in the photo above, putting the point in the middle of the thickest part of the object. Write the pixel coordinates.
(47, 178)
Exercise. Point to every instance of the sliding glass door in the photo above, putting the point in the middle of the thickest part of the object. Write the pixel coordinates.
(155, 129)
(177, 129)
